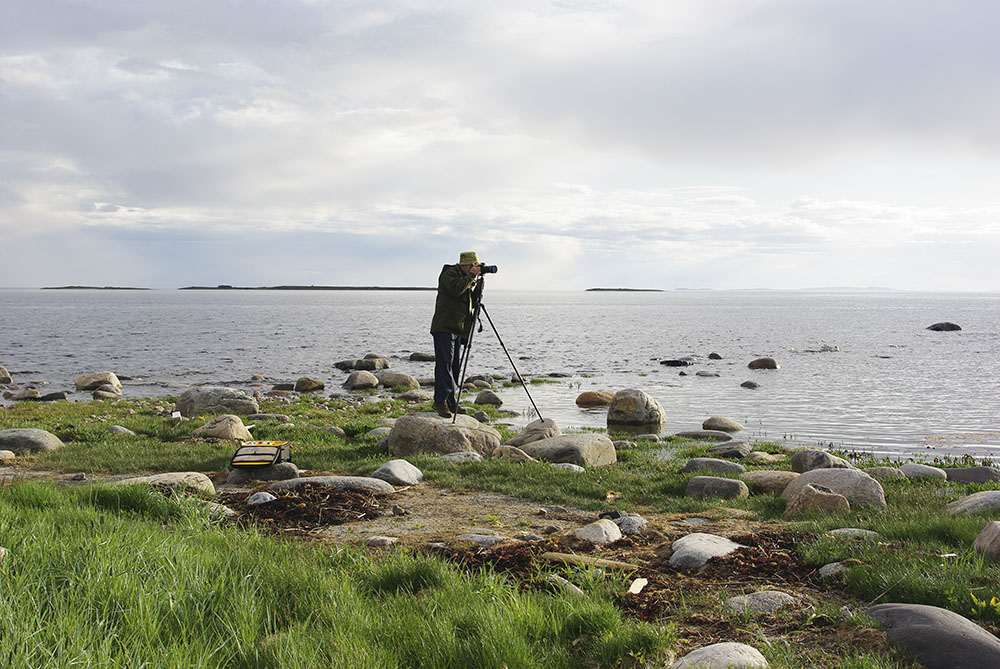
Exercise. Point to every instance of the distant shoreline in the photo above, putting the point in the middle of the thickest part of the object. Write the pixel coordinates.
(226, 287)
(92, 288)
(625, 290)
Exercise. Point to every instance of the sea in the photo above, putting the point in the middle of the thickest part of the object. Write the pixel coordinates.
(859, 370)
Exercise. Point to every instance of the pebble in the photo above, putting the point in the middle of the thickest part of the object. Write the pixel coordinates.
(261, 498)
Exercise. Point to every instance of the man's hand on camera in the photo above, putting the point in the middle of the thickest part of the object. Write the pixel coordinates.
(475, 269)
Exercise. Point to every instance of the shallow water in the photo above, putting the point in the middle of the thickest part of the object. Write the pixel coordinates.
(892, 387)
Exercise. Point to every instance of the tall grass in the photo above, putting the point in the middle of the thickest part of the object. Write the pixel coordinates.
(125, 577)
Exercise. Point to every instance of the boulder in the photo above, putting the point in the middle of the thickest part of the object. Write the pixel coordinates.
(973, 474)
(630, 524)
(712, 465)
(54, 397)
(5, 375)
(586, 450)
(912, 470)
(282, 471)
(766, 481)
(712, 486)
(705, 435)
(398, 380)
(261, 497)
(422, 357)
(215, 400)
(762, 458)
(195, 481)
(859, 488)
(978, 502)
(307, 385)
(361, 380)
(399, 473)
(511, 454)
(593, 398)
(721, 423)
(814, 497)
(118, 429)
(364, 483)
(694, 550)
(633, 407)
(731, 449)
(488, 397)
(764, 363)
(750, 385)
(945, 326)
(937, 638)
(536, 431)
(727, 655)
(227, 426)
(28, 394)
(811, 458)
(883, 473)
(603, 531)
(23, 440)
(416, 396)
(95, 381)
(988, 541)
(429, 433)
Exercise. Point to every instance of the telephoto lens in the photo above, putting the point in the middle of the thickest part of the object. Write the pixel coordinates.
(487, 269)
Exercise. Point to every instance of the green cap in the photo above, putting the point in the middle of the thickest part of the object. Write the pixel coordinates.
(468, 258)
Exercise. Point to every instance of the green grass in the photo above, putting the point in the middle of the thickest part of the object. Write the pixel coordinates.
(125, 577)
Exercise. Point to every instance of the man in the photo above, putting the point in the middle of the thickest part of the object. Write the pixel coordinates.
(450, 327)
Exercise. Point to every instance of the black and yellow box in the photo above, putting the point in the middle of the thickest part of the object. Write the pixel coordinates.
(256, 454)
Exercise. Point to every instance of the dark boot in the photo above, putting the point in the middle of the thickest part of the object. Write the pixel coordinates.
(442, 410)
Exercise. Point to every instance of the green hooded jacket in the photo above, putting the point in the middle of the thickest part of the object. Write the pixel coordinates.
(453, 308)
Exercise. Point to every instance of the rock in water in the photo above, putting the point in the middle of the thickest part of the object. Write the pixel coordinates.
(944, 326)
(633, 407)
(94, 381)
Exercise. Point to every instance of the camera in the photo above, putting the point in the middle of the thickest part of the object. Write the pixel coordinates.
(487, 269)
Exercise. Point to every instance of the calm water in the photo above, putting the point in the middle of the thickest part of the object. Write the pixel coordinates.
(893, 387)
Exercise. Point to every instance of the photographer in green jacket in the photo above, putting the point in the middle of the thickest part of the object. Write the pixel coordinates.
(450, 328)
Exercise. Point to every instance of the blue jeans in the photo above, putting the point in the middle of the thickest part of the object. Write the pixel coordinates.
(447, 368)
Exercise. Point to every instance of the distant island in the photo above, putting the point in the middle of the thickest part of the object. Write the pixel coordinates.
(228, 287)
(625, 290)
(92, 288)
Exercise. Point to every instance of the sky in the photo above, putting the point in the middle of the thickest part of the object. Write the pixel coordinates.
(725, 144)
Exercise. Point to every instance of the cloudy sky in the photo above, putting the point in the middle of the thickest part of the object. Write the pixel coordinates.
(574, 143)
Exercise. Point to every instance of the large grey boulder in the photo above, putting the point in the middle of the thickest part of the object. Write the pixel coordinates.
(764, 363)
(937, 638)
(307, 384)
(585, 450)
(694, 550)
(603, 531)
(23, 440)
(633, 407)
(883, 473)
(711, 486)
(988, 541)
(714, 465)
(811, 458)
(973, 474)
(768, 481)
(282, 471)
(859, 488)
(176, 480)
(5, 375)
(721, 423)
(339, 482)
(399, 472)
(727, 655)
(536, 430)
(913, 470)
(215, 400)
(361, 380)
(813, 497)
(731, 449)
(398, 380)
(429, 433)
(227, 426)
(978, 502)
(95, 381)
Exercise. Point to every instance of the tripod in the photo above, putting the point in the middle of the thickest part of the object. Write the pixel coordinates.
(480, 308)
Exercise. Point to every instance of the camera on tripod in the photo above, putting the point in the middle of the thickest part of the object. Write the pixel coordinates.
(487, 269)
